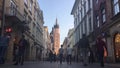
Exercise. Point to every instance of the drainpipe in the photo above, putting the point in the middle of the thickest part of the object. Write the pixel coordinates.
(3, 18)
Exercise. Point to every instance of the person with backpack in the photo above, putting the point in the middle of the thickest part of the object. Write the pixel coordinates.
(84, 48)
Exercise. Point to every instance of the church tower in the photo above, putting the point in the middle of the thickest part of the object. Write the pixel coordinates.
(56, 37)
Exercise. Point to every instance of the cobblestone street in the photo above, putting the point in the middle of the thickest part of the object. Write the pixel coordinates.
(57, 65)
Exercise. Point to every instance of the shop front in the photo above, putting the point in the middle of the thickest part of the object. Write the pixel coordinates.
(117, 47)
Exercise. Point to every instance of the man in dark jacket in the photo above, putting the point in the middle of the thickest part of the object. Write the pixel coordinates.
(4, 41)
(84, 47)
(61, 54)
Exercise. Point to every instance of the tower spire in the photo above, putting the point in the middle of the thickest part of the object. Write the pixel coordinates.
(56, 21)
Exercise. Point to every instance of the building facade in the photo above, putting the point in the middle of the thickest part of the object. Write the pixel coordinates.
(24, 17)
(47, 44)
(65, 42)
(115, 30)
(56, 37)
(106, 22)
(71, 38)
(71, 41)
(52, 40)
(83, 21)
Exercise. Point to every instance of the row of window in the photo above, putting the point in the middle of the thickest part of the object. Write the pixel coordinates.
(116, 10)
(85, 24)
(30, 4)
(116, 6)
(13, 8)
(82, 9)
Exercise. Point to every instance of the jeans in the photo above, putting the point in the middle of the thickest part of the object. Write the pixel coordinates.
(69, 58)
(84, 52)
(2, 53)
(61, 58)
(20, 57)
(101, 57)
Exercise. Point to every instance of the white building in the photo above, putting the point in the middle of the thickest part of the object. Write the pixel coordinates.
(71, 40)
(83, 23)
(46, 43)
(83, 19)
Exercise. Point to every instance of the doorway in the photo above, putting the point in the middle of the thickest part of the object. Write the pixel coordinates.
(117, 47)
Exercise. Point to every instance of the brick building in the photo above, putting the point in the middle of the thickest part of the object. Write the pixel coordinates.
(56, 37)
(106, 23)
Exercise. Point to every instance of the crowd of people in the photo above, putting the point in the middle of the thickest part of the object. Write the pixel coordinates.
(60, 57)
(84, 47)
(86, 52)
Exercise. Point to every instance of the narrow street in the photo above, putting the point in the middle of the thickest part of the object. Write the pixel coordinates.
(39, 31)
(57, 65)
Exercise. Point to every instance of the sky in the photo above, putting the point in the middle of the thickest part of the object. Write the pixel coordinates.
(60, 9)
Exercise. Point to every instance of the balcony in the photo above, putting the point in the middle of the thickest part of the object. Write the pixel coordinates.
(24, 26)
(13, 15)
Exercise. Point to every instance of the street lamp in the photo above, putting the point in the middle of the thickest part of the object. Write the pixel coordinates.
(3, 18)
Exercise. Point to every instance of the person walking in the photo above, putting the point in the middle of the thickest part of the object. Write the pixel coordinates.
(101, 45)
(15, 49)
(54, 56)
(69, 54)
(15, 52)
(4, 42)
(21, 51)
(91, 56)
(51, 56)
(84, 48)
(61, 54)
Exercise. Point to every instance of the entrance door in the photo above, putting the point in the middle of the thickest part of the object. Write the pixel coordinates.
(117, 47)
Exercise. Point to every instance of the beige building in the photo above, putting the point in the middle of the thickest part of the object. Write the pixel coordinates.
(65, 42)
(24, 17)
(71, 40)
(46, 43)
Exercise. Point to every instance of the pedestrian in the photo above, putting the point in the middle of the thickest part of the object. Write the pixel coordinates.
(15, 49)
(91, 56)
(51, 56)
(15, 52)
(84, 47)
(4, 42)
(69, 54)
(61, 54)
(101, 45)
(22, 44)
(54, 56)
